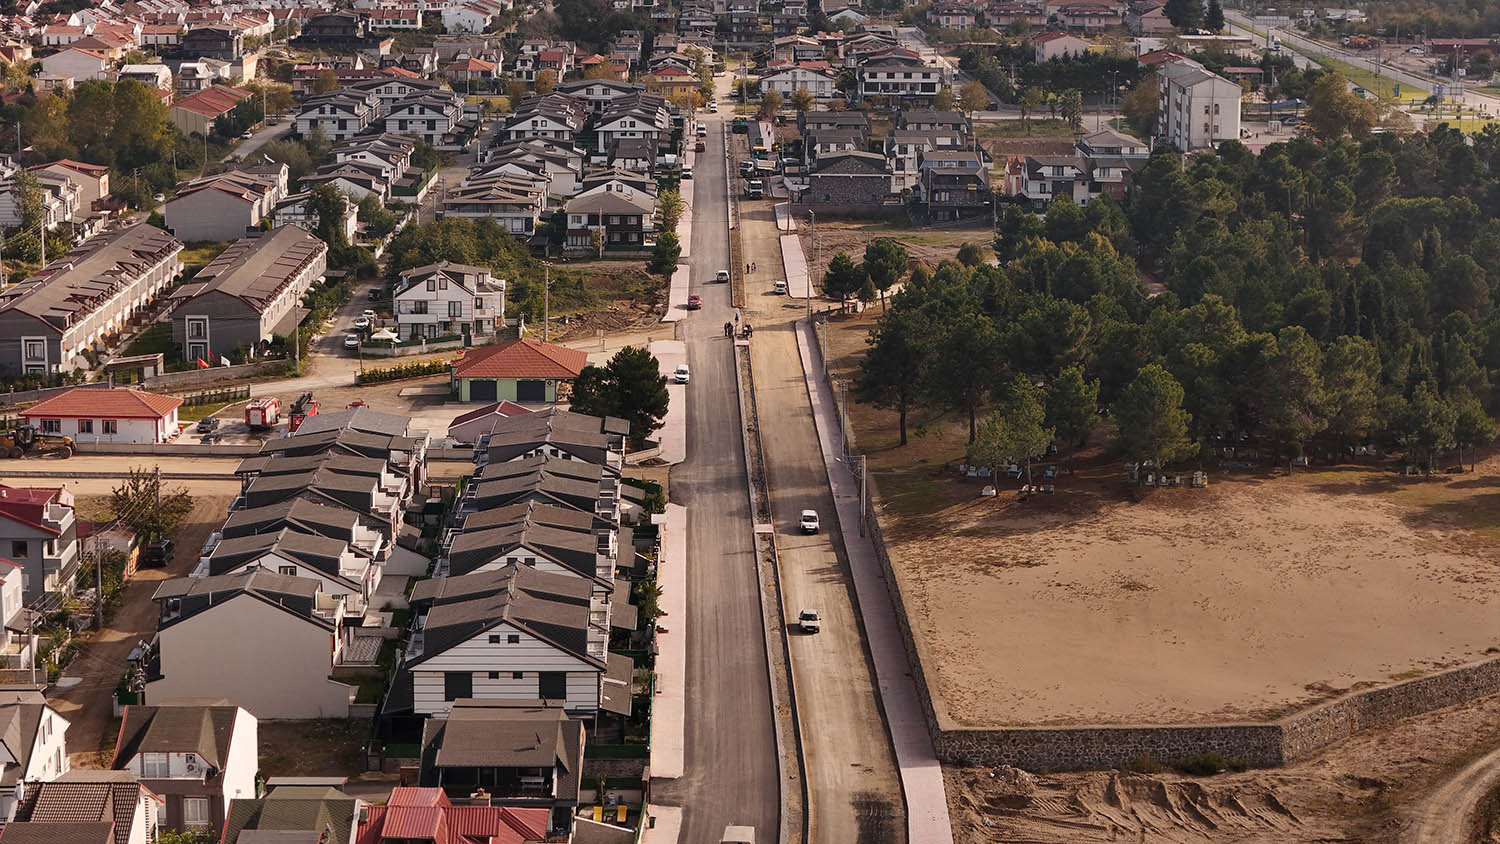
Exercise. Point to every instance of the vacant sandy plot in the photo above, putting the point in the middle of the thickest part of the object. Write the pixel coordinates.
(1248, 599)
(1192, 605)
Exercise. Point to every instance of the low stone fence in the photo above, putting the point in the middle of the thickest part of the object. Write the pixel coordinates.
(216, 376)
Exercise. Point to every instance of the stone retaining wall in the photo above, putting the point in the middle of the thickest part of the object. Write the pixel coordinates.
(1071, 748)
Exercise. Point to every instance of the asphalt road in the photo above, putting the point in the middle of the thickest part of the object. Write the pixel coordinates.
(729, 768)
(854, 790)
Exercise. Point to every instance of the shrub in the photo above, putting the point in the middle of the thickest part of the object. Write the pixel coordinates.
(1209, 764)
(415, 369)
(1145, 763)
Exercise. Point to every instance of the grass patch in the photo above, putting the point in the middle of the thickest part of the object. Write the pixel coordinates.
(319, 748)
(197, 255)
(1379, 85)
(156, 339)
(195, 412)
(1041, 127)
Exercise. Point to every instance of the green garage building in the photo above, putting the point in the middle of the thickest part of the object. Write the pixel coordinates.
(525, 371)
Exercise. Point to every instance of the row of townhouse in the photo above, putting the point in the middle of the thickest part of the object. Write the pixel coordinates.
(70, 191)
(417, 108)
(929, 157)
(1100, 164)
(376, 166)
(225, 206)
(79, 302)
(290, 592)
(529, 593)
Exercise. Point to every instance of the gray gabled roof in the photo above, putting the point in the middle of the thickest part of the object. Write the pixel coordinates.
(256, 269)
(297, 513)
(320, 553)
(207, 730)
(358, 419)
(289, 810)
(508, 734)
(459, 612)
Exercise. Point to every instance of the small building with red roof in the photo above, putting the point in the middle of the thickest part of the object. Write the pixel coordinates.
(426, 814)
(111, 416)
(526, 371)
(197, 112)
(467, 428)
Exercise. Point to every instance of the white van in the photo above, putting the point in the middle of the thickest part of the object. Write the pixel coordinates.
(779, 288)
(687, 171)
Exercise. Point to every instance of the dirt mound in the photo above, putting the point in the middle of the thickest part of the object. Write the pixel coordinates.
(1115, 806)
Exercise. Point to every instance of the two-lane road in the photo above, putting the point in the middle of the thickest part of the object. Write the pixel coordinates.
(730, 773)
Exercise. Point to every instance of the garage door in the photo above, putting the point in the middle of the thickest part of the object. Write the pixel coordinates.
(481, 390)
(531, 391)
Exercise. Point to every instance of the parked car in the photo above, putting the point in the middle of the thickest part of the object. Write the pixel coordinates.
(682, 374)
(247, 135)
(158, 553)
(208, 424)
(702, 130)
(361, 322)
(158, 197)
(713, 106)
(687, 171)
(699, 147)
(694, 302)
(351, 341)
(808, 621)
(779, 287)
(722, 276)
(809, 521)
(376, 294)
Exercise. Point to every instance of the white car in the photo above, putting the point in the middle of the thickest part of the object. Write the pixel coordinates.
(713, 106)
(702, 131)
(779, 287)
(682, 375)
(351, 341)
(361, 322)
(809, 521)
(808, 621)
(722, 276)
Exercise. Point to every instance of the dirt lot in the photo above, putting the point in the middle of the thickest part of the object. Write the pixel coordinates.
(1361, 789)
(1257, 595)
(319, 748)
(928, 245)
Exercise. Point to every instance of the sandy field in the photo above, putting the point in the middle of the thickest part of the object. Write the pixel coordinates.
(1367, 788)
(1229, 603)
(1259, 595)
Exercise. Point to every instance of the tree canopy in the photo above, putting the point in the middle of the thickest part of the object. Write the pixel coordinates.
(630, 386)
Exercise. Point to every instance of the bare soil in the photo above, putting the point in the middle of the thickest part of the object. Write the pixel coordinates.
(926, 245)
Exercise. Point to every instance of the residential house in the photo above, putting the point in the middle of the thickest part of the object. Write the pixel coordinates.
(560, 165)
(904, 147)
(334, 29)
(599, 94)
(339, 115)
(953, 15)
(433, 117)
(1056, 44)
(632, 183)
(953, 184)
(225, 43)
(389, 90)
(92, 180)
(195, 114)
(1088, 17)
(791, 49)
(369, 486)
(78, 64)
(513, 633)
(515, 202)
(296, 210)
(816, 78)
(467, 428)
(557, 433)
(849, 178)
(344, 574)
(1198, 109)
(247, 295)
(902, 76)
(469, 70)
(263, 639)
(636, 155)
(523, 370)
(472, 17)
(196, 756)
(1004, 15)
(522, 753)
(395, 17)
(552, 117)
(161, 34)
(60, 199)
(293, 810)
(618, 220)
(670, 82)
(87, 807)
(39, 534)
(33, 737)
(222, 207)
(628, 123)
(157, 76)
(427, 814)
(78, 300)
(446, 299)
(358, 432)
(569, 483)
(812, 121)
(1149, 20)
(354, 179)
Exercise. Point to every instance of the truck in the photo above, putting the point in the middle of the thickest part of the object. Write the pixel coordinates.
(734, 834)
(263, 413)
(754, 189)
(304, 407)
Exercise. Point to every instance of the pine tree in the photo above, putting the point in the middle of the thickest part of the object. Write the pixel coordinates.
(1213, 21)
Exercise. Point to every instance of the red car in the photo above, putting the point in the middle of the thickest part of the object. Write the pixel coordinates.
(694, 302)
(698, 147)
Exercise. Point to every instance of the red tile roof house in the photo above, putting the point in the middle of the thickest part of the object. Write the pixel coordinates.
(39, 533)
(111, 416)
(526, 371)
(425, 814)
(467, 428)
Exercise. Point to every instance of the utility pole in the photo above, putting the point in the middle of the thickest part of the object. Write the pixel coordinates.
(546, 297)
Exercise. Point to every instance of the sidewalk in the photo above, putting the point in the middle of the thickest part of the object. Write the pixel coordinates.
(677, 292)
(921, 775)
(668, 824)
(798, 280)
(673, 433)
(671, 657)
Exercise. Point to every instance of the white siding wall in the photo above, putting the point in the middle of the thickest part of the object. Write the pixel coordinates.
(126, 430)
(479, 656)
(244, 759)
(253, 655)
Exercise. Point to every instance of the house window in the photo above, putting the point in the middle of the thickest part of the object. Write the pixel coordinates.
(513, 639)
(289, 571)
(431, 284)
(455, 309)
(517, 675)
(197, 329)
(36, 350)
(494, 675)
(85, 426)
(111, 426)
(51, 426)
(494, 638)
(457, 684)
(18, 548)
(153, 766)
(195, 811)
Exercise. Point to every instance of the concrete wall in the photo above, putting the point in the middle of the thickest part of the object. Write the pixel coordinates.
(215, 377)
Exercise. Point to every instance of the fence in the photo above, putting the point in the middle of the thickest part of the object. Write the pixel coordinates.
(28, 396)
(224, 396)
(194, 378)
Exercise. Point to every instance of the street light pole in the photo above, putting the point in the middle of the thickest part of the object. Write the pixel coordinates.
(546, 297)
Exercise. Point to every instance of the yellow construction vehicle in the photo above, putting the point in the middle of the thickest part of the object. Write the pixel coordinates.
(26, 439)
